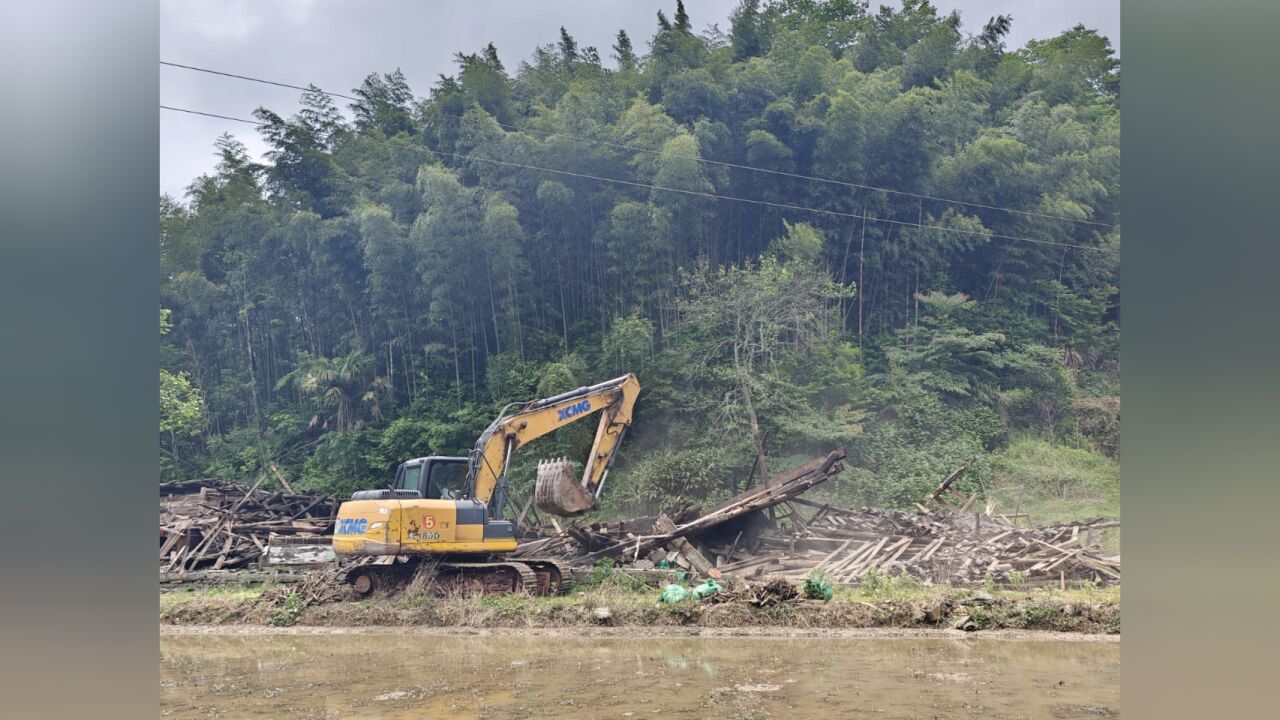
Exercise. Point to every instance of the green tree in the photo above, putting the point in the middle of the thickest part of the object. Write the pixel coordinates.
(461, 282)
(341, 384)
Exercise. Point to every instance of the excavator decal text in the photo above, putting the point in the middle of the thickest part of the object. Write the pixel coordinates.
(351, 526)
(573, 410)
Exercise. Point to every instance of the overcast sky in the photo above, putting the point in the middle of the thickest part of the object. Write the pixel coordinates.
(336, 43)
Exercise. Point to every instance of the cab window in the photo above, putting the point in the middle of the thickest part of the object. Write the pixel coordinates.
(410, 478)
(447, 480)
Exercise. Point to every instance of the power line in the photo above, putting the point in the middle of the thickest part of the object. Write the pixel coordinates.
(785, 206)
(257, 80)
(716, 196)
(212, 115)
(622, 146)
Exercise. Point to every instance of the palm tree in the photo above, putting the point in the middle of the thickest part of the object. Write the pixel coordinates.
(338, 382)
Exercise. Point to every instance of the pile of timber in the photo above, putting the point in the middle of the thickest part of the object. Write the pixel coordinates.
(770, 530)
(213, 524)
(938, 546)
(656, 539)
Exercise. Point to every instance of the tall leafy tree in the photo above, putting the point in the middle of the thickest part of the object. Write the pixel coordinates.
(362, 292)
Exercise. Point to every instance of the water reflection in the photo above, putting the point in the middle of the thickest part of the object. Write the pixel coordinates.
(408, 676)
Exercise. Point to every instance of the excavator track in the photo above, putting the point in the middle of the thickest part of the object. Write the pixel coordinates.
(509, 577)
(466, 577)
(552, 574)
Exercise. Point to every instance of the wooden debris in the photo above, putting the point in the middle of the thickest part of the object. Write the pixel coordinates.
(846, 545)
(208, 525)
(213, 524)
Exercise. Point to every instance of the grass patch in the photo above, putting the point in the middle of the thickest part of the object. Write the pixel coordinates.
(1057, 484)
(216, 593)
(218, 604)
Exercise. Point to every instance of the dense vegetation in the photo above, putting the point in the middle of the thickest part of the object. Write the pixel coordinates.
(380, 287)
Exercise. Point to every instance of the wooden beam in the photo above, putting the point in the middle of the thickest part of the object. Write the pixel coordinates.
(946, 483)
(686, 548)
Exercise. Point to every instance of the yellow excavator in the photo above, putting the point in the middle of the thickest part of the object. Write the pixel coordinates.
(448, 511)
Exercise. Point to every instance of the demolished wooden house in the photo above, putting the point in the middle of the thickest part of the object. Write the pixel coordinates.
(770, 531)
(767, 531)
(211, 524)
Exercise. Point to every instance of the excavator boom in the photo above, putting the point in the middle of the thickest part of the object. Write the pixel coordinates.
(557, 490)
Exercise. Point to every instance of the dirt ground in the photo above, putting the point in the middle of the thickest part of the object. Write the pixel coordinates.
(610, 609)
(642, 632)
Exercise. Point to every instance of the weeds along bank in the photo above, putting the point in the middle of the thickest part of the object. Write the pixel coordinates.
(617, 600)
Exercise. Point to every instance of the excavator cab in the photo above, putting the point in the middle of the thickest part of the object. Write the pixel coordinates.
(434, 478)
(558, 488)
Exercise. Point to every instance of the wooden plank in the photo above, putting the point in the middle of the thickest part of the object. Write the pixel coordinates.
(176, 557)
(178, 532)
(202, 548)
(686, 548)
(241, 501)
(222, 555)
(852, 570)
(920, 554)
(1060, 560)
(930, 553)
(901, 550)
(729, 555)
(283, 483)
(524, 511)
(946, 483)
(788, 486)
(875, 562)
(996, 538)
(1059, 548)
(1100, 568)
(834, 553)
(865, 550)
(749, 564)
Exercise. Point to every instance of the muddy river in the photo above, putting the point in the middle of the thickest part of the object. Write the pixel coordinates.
(408, 676)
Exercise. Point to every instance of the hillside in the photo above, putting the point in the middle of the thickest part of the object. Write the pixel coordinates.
(823, 225)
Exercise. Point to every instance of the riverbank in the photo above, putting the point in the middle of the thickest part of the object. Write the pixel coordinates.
(611, 608)
(634, 632)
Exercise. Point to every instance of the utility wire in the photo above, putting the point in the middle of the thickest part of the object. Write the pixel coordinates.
(621, 146)
(785, 206)
(257, 80)
(212, 115)
(715, 196)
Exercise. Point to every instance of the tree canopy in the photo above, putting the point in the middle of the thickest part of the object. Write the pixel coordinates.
(401, 267)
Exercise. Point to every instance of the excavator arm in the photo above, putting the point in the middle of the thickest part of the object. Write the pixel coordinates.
(614, 399)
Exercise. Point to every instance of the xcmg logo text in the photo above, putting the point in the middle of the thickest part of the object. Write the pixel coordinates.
(351, 526)
(573, 410)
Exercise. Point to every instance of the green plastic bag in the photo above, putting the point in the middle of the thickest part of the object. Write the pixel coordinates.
(673, 594)
(816, 588)
(708, 587)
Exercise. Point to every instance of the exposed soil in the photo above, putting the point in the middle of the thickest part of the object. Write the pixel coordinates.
(629, 611)
(641, 632)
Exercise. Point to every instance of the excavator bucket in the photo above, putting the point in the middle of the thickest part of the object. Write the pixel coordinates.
(558, 490)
